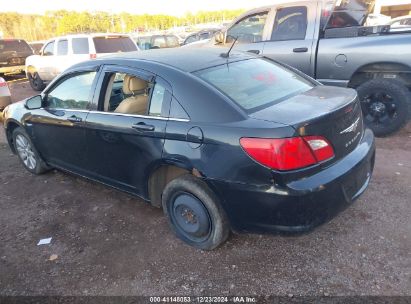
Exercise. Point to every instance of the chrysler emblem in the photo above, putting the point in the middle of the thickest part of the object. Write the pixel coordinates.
(351, 128)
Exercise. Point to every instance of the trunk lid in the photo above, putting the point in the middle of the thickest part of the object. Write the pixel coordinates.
(334, 113)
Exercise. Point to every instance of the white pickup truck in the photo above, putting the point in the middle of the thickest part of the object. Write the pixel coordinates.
(60, 53)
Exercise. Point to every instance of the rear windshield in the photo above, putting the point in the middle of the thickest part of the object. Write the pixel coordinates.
(114, 44)
(256, 83)
(15, 45)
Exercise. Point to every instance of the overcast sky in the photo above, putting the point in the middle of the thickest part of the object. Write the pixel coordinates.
(171, 7)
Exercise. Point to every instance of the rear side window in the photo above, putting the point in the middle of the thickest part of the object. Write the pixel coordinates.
(62, 47)
(256, 83)
(114, 44)
(157, 99)
(80, 46)
(290, 24)
(14, 45)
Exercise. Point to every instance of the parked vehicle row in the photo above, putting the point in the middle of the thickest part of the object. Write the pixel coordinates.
(328, 42)
(151, 42)
(220, 141)
(199, 36)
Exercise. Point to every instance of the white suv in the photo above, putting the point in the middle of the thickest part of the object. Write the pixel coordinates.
(60, 53)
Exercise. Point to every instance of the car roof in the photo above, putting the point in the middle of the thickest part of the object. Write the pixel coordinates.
(185, 59)
(88, 35)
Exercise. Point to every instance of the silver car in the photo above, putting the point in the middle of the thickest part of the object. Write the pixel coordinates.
(5, 96)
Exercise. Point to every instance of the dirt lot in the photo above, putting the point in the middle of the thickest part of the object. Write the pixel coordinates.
(109, 243)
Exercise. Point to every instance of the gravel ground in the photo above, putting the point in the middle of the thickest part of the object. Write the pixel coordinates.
(109, 243)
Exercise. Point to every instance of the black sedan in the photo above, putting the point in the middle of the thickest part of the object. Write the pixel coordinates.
(220, 142)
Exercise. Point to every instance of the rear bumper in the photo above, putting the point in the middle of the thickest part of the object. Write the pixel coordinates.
(12, 69)
(304, 204)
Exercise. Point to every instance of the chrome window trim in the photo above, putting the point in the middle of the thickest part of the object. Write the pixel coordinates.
(119, 114)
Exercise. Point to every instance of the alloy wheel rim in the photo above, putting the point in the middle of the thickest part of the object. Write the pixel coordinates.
(26, 152)
(380, 108)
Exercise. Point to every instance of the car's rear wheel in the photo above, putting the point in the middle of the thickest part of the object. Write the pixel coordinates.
(27, 153)
(36, 82)
(386, 105)
(194, 213)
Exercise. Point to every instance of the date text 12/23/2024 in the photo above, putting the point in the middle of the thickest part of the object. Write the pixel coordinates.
(224, 299)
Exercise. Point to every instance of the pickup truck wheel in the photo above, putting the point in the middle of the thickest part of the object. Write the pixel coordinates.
(386, 105)
(194, 213)
(36, 82)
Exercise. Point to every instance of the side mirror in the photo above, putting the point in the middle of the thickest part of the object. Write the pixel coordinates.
(34, 103)
(219, 37)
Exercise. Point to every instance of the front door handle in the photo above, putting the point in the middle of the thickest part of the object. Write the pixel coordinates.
(300, 50)
(257, 52)
(75, 119)
(143, 127)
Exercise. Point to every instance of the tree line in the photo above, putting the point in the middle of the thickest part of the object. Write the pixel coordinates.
(56, 23)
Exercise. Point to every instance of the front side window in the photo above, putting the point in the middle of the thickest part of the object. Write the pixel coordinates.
(80, 46)
(49, 49)
(248, 30)
(290, 24)
(72, 93)
(255, 84)
(62, 48)
(191, 39)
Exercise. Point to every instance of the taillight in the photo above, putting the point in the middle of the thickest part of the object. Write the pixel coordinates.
(3, 83)
(93, 56)
(321, 148)
(285, 154)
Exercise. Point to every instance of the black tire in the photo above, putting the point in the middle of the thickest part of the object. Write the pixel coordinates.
(29, 158)
(194, 213)
(386, 105)
(36, 82)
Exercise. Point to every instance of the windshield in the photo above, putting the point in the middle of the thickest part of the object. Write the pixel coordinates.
(255, 84)
(114, 44)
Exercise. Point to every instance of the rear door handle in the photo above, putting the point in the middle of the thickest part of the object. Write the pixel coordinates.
(143, 127)
(257, 52)
(300, 50)
(75, 119)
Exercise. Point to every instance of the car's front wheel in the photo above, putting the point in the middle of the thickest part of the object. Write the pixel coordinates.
(27, 153)
(194, 213)
(36, 82)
